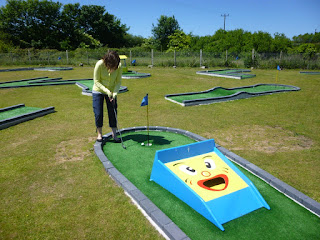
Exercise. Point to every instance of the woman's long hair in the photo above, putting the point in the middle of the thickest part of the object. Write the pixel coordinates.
(111, 60)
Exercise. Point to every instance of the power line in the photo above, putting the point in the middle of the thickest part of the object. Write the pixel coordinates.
(224, 22)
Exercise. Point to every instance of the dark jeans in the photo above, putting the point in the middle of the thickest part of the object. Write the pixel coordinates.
(97, 103)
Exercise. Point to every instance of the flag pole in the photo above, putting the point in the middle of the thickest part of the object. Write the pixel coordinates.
(144, 103)
(148, 121)
(277, 76)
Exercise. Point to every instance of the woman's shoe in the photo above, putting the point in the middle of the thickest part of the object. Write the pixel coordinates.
(99, 139)
(117, 140)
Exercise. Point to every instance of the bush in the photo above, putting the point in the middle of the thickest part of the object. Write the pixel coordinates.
(249, 62)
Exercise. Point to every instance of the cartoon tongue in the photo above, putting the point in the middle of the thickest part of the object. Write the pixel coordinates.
(217, 183)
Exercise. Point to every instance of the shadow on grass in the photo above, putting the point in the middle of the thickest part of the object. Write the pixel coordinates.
(142, 138)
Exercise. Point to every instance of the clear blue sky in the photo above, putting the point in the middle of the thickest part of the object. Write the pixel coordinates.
(203, 17)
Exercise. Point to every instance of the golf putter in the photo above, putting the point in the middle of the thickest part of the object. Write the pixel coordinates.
(115, 114)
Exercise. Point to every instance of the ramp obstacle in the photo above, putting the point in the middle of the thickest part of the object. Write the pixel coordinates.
(201, 176)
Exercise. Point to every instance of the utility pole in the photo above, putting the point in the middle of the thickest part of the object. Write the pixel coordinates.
(224, 22)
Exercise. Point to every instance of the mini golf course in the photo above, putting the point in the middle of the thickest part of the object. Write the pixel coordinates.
(37, 69)
(221, 94)
(87, 86)
(52, 69)
(16, 114)
(131, 169)
(228, 73)
(311, 73)
(134, 75)
(41, 81)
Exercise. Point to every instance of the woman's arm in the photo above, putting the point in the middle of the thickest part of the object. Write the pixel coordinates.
(97, 79)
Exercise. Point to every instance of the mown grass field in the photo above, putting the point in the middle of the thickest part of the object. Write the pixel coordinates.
(54, 187)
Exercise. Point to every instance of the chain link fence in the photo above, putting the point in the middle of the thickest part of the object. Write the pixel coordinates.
(89, 57)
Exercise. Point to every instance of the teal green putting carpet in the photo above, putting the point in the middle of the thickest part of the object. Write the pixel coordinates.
(285, 220)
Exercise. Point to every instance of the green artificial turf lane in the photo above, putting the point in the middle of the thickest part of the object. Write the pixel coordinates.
(130, 74)
(88, 83)
(34, 82)
(227, 71)
(220, 92)
(52, 69)
(242, 75)
(133, 74)
(233, 72)
(17, 112)
(47, 81)
(23, 83)
(285, 220)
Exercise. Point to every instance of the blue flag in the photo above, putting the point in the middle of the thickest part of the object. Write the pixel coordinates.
(278, 68)
(144, 101)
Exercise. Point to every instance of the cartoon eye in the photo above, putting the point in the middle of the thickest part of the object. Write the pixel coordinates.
(210, 163)
(188, 170)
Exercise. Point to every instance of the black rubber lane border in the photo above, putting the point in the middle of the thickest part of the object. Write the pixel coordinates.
(235, 96)
(15, 69)
(41, 83)
(24, 80)
(140, 75)
(12, 107)
(24, 117)
(311, 73)
(215, 73)
(163, 222)
(37, 69)
(52, 68)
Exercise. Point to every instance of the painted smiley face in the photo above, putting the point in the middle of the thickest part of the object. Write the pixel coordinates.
(208, 175)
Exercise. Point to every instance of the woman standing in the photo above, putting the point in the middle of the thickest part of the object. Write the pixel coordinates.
(107, 82)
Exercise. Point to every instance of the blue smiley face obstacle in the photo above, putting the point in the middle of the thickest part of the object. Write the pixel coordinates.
(201, 176)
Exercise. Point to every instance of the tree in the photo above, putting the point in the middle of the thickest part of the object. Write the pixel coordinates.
(307, 38)
(262, 42)
(5, 44)
(149, 43)
(112, 32)
(198, 43)
(178, 41)
(102, 26)
(42, 24)
(87, 41)
(281, 43)
(133, 41)
(71, 36)
(31, 23)
(308, 50)
(166, 26)
(235, 40)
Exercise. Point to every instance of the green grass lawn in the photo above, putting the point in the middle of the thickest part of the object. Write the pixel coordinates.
(53, 186)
